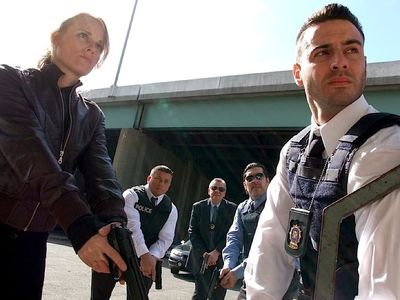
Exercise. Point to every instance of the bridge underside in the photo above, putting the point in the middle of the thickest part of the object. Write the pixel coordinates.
(224, 153)
(213, 127)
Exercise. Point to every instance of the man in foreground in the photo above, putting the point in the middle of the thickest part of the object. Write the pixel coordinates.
(331, 67)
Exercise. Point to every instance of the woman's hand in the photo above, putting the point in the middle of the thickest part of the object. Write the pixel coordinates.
(96, 251)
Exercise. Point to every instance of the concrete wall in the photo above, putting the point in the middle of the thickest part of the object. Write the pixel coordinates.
(137, 154)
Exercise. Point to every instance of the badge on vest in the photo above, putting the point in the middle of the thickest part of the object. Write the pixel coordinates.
(297, 232)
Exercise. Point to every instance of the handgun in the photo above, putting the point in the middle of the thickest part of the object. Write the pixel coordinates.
(120, 238)
(204, 265)
(213, 283)
(158, 275)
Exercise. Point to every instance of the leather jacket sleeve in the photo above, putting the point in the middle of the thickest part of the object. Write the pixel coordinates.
(103, 191)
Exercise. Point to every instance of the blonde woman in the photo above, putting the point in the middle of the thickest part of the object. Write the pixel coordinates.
(47, 133)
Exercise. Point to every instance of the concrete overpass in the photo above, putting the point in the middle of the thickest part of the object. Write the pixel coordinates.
(213, 127)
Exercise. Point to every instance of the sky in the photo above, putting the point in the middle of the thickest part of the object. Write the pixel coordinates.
(188, 39)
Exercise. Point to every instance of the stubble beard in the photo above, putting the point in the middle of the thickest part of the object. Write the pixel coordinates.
(335, 99)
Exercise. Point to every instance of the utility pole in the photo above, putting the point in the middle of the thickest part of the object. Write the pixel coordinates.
(123, 52)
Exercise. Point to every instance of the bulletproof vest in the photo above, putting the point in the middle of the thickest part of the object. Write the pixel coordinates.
(250, 221)
(152, 218)
(326, 182)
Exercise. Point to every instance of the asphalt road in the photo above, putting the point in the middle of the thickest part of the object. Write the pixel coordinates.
(68, 278)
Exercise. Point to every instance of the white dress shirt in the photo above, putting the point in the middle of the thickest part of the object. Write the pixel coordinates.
(269, 269)
(167, 232)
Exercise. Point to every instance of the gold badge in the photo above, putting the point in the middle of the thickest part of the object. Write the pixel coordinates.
(298, 230)
(294, 237)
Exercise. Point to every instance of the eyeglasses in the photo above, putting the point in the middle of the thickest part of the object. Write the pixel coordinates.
(258, 176)
(220, 188)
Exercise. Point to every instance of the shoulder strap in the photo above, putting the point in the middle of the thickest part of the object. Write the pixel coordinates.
(363, 129)
(297, 143)
(367, 126)
(301, 135)
(139, 188)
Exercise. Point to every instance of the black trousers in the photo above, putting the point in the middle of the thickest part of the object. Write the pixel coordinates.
(23, 260)
(202, 284)
(103, 285)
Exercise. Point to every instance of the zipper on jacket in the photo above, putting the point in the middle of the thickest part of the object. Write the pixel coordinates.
(64, 141)
(31, 219)
(60, 159)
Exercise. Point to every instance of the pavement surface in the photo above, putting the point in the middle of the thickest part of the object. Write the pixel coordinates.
(67, 277)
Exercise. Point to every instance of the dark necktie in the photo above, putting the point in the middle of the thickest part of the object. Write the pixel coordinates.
(154, 200)
(251, 207)
(316, 147)
(214, 214)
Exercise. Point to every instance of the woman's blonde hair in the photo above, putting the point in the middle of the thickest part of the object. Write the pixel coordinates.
(47, 58)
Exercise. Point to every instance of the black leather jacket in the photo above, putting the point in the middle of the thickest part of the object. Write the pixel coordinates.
(38, 158)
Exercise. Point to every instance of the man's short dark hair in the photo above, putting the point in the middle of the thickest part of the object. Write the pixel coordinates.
(330, 12)
(162, 168)
(255, 165)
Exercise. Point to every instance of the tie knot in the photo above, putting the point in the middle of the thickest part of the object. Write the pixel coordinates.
(316, 146)
(251, 206)
(154, 200)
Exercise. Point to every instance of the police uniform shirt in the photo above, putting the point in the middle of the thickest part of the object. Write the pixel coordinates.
(166, 235)
(234, 239)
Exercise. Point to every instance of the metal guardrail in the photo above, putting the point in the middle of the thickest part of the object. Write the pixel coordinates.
(332, 217)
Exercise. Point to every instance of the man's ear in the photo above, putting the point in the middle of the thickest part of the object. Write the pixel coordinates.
(296, 74)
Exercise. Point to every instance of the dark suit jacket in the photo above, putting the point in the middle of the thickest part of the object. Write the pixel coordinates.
(199, 228)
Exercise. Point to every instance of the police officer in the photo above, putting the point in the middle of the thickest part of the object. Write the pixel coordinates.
(355, 147)
(240, 235)
(152, 219)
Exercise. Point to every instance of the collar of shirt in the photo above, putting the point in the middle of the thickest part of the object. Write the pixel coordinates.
(150, 194)
(336, 127)
(212, 205)
(258, 200)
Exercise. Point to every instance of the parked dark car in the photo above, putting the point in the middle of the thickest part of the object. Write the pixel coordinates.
(178, 257)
